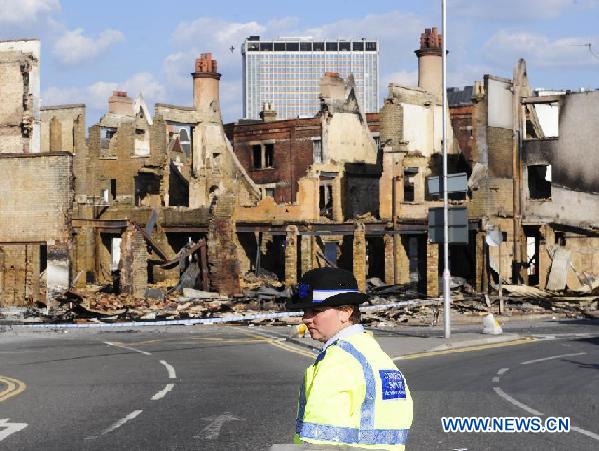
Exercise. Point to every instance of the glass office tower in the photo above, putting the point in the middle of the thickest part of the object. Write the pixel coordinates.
(286, 72)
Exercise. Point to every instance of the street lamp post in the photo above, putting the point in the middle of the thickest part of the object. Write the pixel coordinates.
(446, 297)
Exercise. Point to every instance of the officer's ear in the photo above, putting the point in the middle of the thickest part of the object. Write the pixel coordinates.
(345, 313)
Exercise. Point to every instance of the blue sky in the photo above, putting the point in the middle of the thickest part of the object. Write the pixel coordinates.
(91, 48)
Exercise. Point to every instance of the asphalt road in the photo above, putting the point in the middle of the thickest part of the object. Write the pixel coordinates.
(226, 388)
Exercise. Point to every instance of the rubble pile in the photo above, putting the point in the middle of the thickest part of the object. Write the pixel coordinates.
(262, 293)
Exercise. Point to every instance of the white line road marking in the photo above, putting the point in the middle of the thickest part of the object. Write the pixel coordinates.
(502, 371)
(515, 402)
(585, 432)
(116, 425)
(119, 345)
(496, 379)
(553, 357)
(10, 428)
(162, 393)
(170, 369)
(212, 431)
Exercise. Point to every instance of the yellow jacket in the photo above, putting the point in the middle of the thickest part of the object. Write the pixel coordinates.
(354, 395)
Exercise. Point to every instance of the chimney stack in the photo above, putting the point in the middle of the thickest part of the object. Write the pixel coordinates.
(332, 86)
(430, 63)
(120, 103)
(268, 113)
(206, 84)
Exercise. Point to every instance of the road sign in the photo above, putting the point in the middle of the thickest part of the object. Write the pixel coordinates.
(458, 225)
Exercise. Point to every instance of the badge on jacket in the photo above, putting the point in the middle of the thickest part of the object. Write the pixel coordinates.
(393, 384)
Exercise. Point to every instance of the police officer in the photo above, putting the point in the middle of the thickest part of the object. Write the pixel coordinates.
(353, 394)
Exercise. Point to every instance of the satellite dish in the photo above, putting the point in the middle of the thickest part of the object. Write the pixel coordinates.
(494, 237)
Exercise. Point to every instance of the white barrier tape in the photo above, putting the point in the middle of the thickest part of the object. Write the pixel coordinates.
(191, 322)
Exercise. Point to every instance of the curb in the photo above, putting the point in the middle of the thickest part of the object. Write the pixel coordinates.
(477, 342)
(506, 338)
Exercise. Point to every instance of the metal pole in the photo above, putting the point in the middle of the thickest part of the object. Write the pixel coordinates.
(446, 297)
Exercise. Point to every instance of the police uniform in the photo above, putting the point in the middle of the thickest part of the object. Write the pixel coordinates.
(353, 394)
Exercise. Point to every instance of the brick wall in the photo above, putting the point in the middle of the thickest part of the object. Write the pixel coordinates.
(391, 124)
(500, 145)
(70, 131)
(461, 122)
(17, 115)
(35, 197)
(293, 152)
(121, 163)
(19, 275)
(493, 197)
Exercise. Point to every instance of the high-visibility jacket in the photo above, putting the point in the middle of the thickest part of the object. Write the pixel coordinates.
(353, 394)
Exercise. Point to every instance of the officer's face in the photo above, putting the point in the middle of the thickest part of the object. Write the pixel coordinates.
(324, 322)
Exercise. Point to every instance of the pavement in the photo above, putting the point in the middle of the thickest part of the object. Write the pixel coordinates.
(405, 342)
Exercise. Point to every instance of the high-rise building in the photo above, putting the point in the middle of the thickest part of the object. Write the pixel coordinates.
(285, 73)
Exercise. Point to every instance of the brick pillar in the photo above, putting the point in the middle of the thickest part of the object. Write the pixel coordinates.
(134, 263)
(360, 269)
(222, 251)
(402, 262)
(547, 239)
(85, 251)
(389, 260)
(432, 269)
(337, 207)
(291, 256)
(306, 251)
(481, 263)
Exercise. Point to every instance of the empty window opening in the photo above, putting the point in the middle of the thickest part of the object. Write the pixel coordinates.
(269, 153)
(257, 155)
(113, 188)
(147, 189)
(115, 253)
(531, 255)
(539, 181)
(412, 252)
(377, 142)
(317, 150)
(106, 134)
(408, 184)
(330, 252)
(43, 257)
(326, 200)
(263, 155)
(270, 192)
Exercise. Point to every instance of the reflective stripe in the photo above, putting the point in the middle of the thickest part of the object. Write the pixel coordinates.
(367, 418)
(321, 295)
(301, 408)
(340, 434)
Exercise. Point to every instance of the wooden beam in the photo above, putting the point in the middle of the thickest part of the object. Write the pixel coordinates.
(541, 99)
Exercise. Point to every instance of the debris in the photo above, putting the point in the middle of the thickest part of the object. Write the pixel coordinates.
(375, 282)
(526, 291)
(491, 325)
(559, 269)
(154, 293)
(197, 294)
